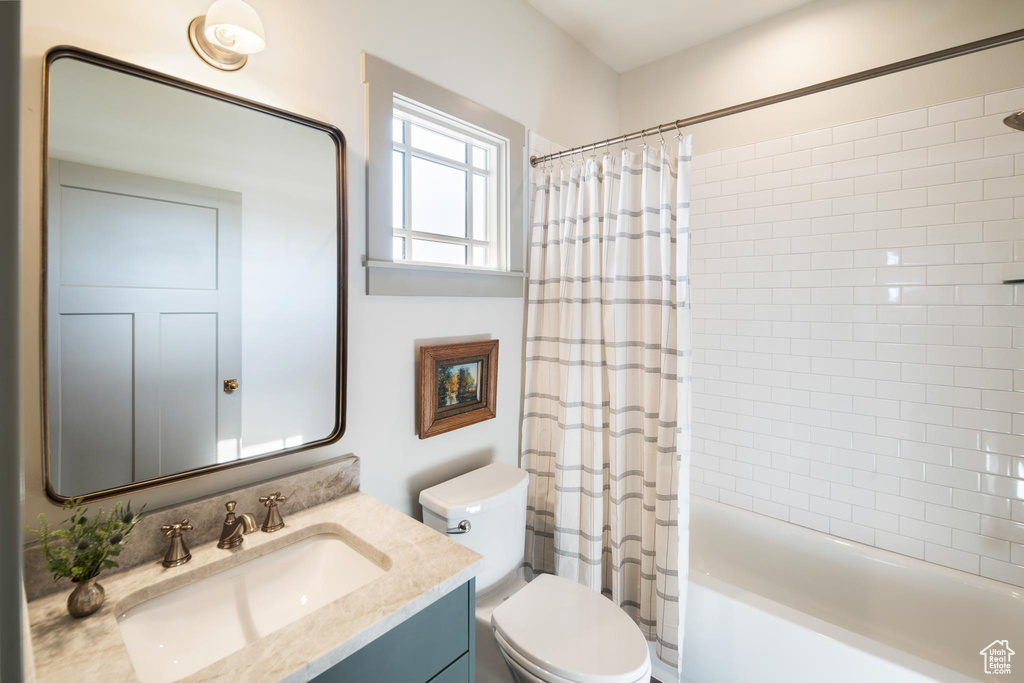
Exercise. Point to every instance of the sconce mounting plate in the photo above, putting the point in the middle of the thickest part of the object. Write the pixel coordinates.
(213, 55)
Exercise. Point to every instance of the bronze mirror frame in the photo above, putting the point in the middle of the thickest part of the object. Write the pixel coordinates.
(341, 347)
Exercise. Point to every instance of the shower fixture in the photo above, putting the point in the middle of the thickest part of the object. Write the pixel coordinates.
(1015, 121)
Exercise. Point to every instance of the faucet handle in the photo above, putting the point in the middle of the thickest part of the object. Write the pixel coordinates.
(273, 499)
(273, 522)
(172, 530)
(177, 552)
(230, 505)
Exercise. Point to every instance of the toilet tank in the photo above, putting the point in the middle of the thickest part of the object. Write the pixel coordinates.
(493, 500)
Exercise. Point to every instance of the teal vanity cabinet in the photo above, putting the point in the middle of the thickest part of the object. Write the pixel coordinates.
(435, 645)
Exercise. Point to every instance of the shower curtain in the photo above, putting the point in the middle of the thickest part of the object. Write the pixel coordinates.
(606, 428)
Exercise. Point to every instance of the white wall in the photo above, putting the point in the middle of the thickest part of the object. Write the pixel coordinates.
(816, 42)
(856, 364)
(857, 359)
(500, 53)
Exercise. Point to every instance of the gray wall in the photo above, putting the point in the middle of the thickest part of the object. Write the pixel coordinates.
(10, 460)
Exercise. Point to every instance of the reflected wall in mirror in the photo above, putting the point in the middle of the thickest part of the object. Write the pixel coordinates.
(194, 289)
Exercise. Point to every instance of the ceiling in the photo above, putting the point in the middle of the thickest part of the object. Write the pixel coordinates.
(626, 34)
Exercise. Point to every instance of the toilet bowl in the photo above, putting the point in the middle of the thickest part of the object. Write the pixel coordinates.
(550, 630)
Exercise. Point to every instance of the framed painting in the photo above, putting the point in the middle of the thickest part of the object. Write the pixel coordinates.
(458, 385)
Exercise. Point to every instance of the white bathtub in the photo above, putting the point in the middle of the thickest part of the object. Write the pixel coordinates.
(770, 601)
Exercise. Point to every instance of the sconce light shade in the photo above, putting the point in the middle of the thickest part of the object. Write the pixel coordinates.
(234, 25)
(230, 31)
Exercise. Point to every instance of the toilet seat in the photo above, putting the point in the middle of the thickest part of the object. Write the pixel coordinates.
(560, 631)
(527, 671)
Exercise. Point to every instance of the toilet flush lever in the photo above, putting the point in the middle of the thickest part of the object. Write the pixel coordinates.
(463, 528)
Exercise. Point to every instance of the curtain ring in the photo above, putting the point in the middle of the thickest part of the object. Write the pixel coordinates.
(643, 139)
(679, 133)
(607, 148)
(661, 134)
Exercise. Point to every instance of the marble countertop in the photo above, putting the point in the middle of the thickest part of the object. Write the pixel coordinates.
(424, 566)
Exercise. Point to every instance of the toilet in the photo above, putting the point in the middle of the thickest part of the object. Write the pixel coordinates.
(550, 630)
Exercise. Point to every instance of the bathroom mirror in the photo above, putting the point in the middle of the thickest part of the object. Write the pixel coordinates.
(193, 304)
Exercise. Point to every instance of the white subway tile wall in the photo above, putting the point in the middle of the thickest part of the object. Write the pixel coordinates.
(858, 363)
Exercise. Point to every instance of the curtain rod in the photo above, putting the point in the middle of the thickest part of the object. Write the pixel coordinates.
(895, 67)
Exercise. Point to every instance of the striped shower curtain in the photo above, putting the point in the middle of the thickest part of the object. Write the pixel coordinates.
(606, 429)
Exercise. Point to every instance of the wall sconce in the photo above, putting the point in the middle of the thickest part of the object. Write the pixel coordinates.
(227, 35)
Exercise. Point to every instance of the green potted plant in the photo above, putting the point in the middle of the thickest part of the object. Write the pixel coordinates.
(83, 547)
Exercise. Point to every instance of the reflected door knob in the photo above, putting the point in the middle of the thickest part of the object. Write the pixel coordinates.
(230, 385)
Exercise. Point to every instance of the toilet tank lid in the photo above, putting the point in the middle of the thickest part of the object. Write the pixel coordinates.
(485, 488)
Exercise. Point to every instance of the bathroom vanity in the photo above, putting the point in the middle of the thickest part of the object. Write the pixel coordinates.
(433, 645)
(349, 590)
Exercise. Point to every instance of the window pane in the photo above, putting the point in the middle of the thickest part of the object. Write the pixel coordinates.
(438, 199)
(481, 257)
(435, 143)
(479, 207)
(480, 158)
(398, 249)
(398, 130)
(397, 189)
(439, 252)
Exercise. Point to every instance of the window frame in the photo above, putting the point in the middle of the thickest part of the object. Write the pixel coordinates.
(384, 275)
(412, 113)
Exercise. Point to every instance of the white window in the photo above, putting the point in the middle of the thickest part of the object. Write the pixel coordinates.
(449, 190)
(445, 191)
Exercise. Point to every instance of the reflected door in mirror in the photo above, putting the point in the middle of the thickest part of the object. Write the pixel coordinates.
(193, 279)
(145, 312)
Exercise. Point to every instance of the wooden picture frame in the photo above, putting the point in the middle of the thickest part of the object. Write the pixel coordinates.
(458, 386)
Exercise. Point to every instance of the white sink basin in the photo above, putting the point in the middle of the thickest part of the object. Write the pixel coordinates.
(180, 632)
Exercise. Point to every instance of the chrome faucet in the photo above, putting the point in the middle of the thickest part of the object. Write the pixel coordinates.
(235, 526)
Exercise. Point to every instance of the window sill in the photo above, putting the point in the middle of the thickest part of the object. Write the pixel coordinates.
(387, 278)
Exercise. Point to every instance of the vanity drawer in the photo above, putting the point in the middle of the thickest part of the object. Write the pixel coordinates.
(434, 644)
(457, 672)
